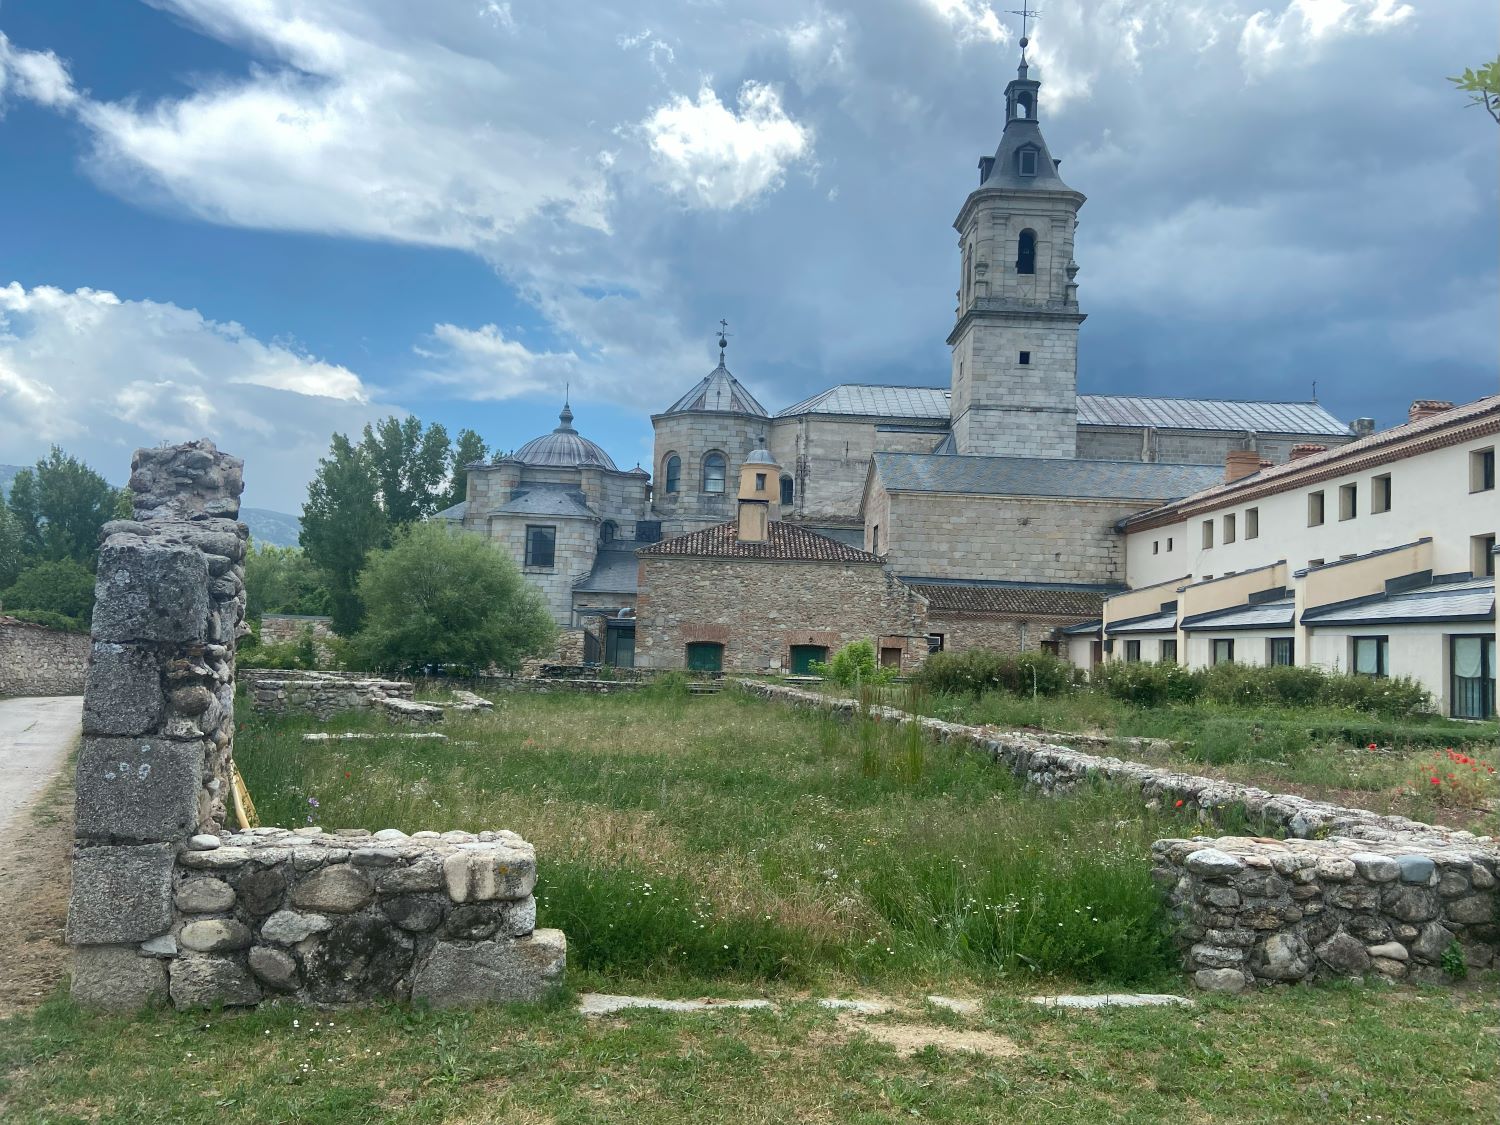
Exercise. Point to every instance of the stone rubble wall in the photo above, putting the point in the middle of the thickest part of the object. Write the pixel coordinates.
(323, 694)
(280, 628)
(1257, 910)
(168, 904)
(35, 660)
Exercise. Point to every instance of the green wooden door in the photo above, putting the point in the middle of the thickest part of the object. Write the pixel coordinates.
(705, 656)
(804, 656)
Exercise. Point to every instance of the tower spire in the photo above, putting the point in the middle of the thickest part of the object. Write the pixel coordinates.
(723, 339)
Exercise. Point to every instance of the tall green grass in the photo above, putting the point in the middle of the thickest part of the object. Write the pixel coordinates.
(722, 837)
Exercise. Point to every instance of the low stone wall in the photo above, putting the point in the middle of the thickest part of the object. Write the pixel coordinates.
(323, 694)
(1252, 910)
(279, 628)
(35, 660)
(325, 918)
(168, 904)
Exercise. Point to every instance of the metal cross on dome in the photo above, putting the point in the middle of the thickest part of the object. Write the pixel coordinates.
(723, 338)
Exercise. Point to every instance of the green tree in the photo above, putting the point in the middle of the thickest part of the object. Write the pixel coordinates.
(60, 586)
(467, 449)
(436, 596)
(283, 580)
(410, 465)
(342, 522)
(1483, 86)
(60, 504)
(12, 556)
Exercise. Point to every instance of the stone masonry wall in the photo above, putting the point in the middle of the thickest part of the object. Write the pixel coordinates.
(38, 661)
(279, 628)
(168, 904)
(323, 694)
(1349, 892)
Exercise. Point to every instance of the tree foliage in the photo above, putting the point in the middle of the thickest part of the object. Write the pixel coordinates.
(410, 465)
(59, 505)
(283, 580)
(439, 597)
(12, 556)
(1483, 86)
(467, 449)
(342, 522)
(60, 586)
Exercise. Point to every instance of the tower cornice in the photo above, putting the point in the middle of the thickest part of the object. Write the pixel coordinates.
(994, 310)
(1018, 199)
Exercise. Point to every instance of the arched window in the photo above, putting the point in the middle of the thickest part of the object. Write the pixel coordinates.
(1026, 252)
(609, 531)
(1023, 105)
(673, 473)
(713, 473)
(788, 491)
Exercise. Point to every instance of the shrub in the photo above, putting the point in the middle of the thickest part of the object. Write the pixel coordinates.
(49, 619)
(63, 587)
(1147, 685)
(854, 664)
(976, 671)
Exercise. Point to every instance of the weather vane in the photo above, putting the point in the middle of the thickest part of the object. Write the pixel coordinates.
(1026, 12)
(723, 339)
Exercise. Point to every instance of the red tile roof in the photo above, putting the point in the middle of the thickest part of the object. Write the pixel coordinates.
(788, 542)
(1451, 427)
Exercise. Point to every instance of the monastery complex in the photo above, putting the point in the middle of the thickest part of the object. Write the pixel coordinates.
(1007, 511)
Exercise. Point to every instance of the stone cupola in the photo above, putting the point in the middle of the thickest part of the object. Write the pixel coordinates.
(759, 499)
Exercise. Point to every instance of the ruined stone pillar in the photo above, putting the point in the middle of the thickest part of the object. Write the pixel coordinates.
(158, 714)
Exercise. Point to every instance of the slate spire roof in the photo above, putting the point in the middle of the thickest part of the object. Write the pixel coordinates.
(718, 392)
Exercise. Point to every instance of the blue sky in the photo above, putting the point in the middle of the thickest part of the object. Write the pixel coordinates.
(268, 221)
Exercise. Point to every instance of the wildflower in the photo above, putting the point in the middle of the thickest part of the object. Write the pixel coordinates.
(1434, 780)
(1179, 803)
(1371, 746)
(313, 801)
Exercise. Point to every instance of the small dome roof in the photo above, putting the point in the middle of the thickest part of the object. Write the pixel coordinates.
(718, 391)
(760, 457)
(563, 448)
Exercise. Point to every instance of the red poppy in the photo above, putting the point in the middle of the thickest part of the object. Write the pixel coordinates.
(1179, 804)
(1434, 780)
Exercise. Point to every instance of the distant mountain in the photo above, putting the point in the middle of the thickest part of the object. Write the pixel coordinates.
(275, 529)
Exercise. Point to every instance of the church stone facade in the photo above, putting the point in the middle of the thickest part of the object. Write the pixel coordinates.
(993, 502)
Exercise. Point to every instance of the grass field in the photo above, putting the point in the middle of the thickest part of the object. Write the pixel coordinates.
(1343, 756)
(719, 846)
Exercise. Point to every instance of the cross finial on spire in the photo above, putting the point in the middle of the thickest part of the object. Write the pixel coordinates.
(1026, 12)
(723, 339)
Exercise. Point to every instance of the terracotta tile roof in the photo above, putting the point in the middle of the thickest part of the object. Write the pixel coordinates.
(788, 542)
(1008, 597)
(1462, 423)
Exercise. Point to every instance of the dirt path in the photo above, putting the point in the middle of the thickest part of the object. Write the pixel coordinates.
(36, 836)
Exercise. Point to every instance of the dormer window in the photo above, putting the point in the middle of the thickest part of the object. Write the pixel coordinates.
(1026, 162)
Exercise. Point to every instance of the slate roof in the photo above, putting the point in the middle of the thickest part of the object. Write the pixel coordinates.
(563, 448)
(1156, 623)
(718, 391)
(1083, 628)
(788, 542)
(1265, 615)
(455, 513)
(1475, 419)
(545, 502)
(1470, 599)
(615, 572)
(1041, 476)
(1233, 415)
(1010, 597)
(876, 400)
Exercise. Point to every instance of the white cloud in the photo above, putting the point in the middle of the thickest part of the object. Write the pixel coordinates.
(103, 376)
(718, 158)
(973, 21)
(1304, 26)
(483, 364)
(38, 76)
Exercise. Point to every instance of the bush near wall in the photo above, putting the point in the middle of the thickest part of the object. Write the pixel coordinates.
(1157, 684)
(977, 671)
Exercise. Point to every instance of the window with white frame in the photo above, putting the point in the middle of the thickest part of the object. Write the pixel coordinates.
(1369, 656)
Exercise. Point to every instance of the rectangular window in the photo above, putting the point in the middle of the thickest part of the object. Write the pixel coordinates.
(1224, 650)
(760, 482)
(1132, 651)
(1281, 650)
(541, 545)
(875, 540)
(1348, 501)
(1380, 493)
(1167, 654)
(1229, 529)
(1156, 546)
(934, 642)
(1482, 556)
(890, 658)
(1315, 509)
(1027, 161)
(1482, 470)
(1208, 534)
(1169, 542)
(1370, 655)
(1252, 523)
(1025, 359)
(1472, 664)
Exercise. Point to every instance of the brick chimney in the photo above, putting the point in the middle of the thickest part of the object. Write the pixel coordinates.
(1426, 408)
(1307, 450)
(1240, 463)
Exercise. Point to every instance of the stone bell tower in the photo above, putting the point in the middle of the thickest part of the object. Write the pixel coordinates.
(1015, 343)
